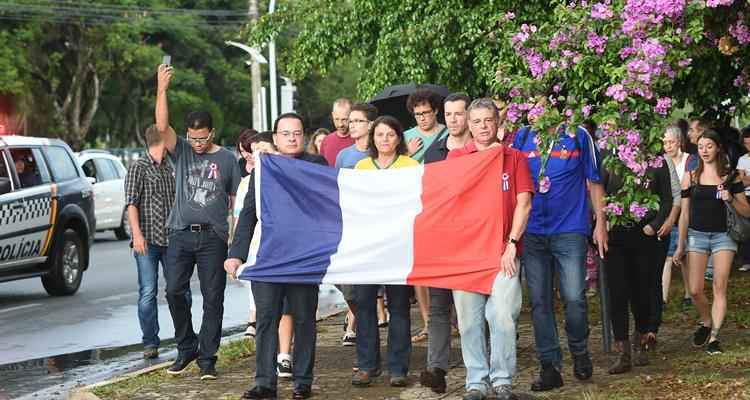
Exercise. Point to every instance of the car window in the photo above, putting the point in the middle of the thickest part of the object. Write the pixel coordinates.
(89, 169)
(42, 165)
(119, 169)
(104, 170)
(62, 166)
(27, 167)
(6, 183)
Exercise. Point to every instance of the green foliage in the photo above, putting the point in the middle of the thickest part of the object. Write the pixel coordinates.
(391, 42)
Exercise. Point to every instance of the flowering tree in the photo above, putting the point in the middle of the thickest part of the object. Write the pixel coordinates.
(625, 64)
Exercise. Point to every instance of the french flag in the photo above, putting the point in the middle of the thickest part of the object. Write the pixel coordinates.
(436, 225)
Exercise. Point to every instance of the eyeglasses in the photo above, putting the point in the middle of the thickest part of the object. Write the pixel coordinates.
(289, 134)
(358, 121)
(203, 140)
(423, 114)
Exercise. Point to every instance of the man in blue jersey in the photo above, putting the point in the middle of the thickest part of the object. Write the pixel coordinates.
(556, 241)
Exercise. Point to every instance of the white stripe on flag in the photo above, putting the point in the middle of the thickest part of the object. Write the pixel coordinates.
(378, 211)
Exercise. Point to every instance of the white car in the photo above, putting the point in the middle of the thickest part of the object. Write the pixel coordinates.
(107, 174)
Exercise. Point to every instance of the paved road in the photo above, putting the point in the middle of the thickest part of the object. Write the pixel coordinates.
(49, 344)
(44, 339)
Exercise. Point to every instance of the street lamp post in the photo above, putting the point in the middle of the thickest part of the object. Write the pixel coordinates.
(257, 59)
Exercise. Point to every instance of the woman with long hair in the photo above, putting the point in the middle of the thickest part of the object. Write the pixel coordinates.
(631, 264)
(387, 150)
(313, 147)
(706, 194)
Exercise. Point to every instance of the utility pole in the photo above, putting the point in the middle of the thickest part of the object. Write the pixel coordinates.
(253, 15)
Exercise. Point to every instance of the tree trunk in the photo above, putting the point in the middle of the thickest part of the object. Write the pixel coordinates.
(76, 111)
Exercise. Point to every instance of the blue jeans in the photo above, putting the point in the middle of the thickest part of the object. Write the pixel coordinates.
(399, 328)
(271, 299)
(207, 251)
(500, 310)
(148, 286)
(565, 254)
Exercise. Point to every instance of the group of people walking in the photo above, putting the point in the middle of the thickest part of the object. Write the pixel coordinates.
(180, 213)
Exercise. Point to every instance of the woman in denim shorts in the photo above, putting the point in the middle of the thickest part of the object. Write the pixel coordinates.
(703, 223)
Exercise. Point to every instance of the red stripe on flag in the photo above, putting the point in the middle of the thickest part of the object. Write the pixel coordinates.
(457, 243)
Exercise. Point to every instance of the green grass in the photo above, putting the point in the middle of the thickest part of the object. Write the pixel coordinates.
(229, 354)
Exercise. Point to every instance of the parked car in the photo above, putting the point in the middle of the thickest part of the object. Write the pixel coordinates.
(47, 220)
(108, 176)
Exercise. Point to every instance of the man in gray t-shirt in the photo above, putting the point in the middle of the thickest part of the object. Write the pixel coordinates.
(205, 183)
(206, 176)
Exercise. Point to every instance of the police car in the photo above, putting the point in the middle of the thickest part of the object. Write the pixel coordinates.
(47, 221)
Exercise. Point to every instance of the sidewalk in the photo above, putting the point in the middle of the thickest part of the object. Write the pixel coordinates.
(677, 370)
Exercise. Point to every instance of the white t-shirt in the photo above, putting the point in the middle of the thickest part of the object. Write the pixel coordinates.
(744, 164)
(680, 166)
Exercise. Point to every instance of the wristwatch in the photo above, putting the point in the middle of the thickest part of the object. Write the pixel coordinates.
(512, 241)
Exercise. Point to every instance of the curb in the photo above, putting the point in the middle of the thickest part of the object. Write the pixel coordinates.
(85, 392)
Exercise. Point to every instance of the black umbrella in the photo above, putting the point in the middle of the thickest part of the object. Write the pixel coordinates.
(392, 101)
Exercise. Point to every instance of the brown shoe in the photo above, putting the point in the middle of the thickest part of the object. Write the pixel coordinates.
(150, 353)
(640, 352)
(364, 378)
(399, 381)
(623, 363)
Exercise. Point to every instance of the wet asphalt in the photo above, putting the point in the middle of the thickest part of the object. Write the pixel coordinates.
(48, 345)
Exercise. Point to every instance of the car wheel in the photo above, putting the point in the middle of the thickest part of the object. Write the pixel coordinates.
(123, 232)
(64, 277)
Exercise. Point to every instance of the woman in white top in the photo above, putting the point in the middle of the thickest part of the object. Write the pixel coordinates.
(672, 142)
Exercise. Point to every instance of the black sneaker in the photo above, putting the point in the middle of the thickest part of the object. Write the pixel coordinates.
(284, 368)
(549, 378)
(181, 363)
(582, 367)
(700, 337)
(259, 392)
(713, 348)
(208, 373)
(433, 378)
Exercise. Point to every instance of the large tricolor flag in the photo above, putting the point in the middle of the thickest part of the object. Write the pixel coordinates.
(436, 225)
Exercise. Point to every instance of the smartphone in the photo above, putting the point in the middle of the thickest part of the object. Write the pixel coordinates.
(167, 60)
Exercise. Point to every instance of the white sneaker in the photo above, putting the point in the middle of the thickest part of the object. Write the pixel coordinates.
(745, 268)
(350, 339)
(250, 330)
(284, 366)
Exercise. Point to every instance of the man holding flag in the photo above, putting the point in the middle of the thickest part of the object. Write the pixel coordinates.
(288, 136)
(501, 307)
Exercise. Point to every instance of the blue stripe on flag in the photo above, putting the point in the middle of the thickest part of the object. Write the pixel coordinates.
(301, 221)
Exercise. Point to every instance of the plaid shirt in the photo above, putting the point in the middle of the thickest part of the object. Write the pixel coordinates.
(150, 187)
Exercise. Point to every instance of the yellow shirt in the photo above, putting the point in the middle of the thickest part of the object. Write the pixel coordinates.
(401, 162)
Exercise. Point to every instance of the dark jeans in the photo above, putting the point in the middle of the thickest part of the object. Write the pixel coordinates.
(208, 251)
(631, 270)
(399, 328)
(656, 305)
(439, 338)
(542, 257)
(302, 303)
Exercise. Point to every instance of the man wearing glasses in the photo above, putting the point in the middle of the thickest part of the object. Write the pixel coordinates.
(340, 138)
(206, 177)
(424, 105)
(301, 299)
